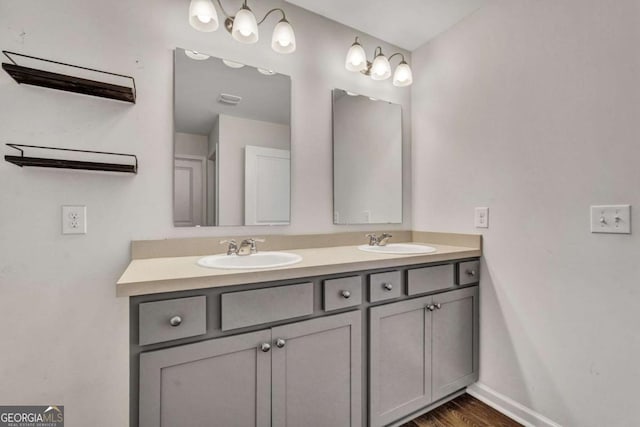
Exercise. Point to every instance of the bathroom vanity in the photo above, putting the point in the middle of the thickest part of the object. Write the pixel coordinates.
(354, 346)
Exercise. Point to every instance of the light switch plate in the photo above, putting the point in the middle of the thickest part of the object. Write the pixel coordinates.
(614, 219)
(481, 218)
(74, 220)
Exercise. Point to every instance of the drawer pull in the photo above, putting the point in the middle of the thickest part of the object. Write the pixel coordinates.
(265, 347)
(438, 306)
(280, 343)
(346, 294)
(470, 273)
(387, 286)
(175, 321)
(431, 307)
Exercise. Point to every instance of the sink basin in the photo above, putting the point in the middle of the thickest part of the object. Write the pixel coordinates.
(399, 249)
(259, 260)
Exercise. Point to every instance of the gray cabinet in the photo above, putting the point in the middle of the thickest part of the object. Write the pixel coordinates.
(306, 373)
(221, 382)
(317, 372)
(454, 344)
(421, 350)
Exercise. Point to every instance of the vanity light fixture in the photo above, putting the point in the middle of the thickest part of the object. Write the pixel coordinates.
(243, 26)
(380, 67)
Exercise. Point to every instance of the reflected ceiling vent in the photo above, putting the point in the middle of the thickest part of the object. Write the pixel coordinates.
(227, 99)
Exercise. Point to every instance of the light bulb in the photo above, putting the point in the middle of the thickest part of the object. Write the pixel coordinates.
(203, 15)
(245, 27)
(403, 75)
(356, 58)
(380, 69)
(284, 39)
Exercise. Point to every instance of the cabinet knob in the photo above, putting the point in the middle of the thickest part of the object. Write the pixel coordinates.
(431, 307)
(280, 343)
(175, 321)
(387, 286)
(346, 294)
(438, 306)
(470, 273)
(265, 347)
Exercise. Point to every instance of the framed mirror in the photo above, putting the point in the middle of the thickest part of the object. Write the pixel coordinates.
(232, 143)
(367, 160)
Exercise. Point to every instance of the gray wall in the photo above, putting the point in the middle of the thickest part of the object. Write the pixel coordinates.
(531, 108)
(65, 339)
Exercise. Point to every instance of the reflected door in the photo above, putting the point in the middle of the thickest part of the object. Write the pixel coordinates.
(189, 191)
(267, 188)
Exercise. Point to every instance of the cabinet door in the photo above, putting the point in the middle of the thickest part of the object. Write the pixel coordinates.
(220, 382)
(455, 341)
(317, 372)
(400, 360)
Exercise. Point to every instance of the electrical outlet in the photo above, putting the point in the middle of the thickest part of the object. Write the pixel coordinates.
(615, 219)
(74, 220)
(481, 218)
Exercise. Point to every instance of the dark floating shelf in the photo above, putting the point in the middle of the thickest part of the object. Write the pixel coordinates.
(53, 80)
(46, 162)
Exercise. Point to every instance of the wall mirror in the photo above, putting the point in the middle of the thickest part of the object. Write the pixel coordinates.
(232, 143)
(367, 160)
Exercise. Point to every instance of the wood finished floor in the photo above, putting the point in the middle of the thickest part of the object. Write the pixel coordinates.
(463, 411)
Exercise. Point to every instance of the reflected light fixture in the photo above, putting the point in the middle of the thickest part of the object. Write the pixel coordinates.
(266, 72)
(380, 67)
(196, 55)
(232, 64)
(243, 26)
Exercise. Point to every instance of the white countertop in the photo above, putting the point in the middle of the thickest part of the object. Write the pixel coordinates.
(157, 275)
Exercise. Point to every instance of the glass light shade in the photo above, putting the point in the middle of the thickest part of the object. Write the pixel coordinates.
(403, 75)
(380, 69)
(283, 40)
(356, 58)
(266, 71)
(196, 55)
(245, 27)
(203, 15)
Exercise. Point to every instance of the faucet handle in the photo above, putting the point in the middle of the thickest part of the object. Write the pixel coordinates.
(233, 246)
(373, 239)
(251, 241)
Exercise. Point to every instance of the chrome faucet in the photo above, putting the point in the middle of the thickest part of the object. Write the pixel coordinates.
(232, 248)
(248, 246)
(379, 241)
(384, 239)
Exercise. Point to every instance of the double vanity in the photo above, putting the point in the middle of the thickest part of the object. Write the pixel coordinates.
(347, 335)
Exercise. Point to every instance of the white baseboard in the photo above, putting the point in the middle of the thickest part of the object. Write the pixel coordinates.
(509, 407)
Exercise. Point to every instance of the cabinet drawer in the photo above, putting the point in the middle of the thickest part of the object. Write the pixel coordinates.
(468, 272)
(342, 293)
(384, 286)
(248, 308)
(429, 279)
(172, 319)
